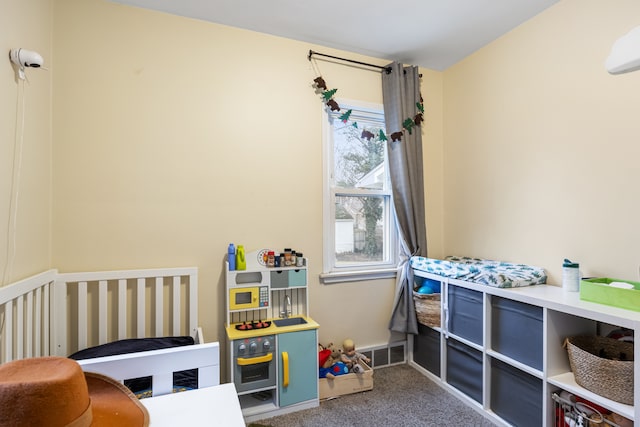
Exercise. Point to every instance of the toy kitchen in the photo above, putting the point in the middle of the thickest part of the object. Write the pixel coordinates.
(273, 343)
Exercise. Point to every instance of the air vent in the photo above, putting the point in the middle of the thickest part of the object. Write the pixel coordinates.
(387, 355)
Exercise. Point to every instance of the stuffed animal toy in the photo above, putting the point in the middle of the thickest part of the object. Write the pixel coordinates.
(323, 354)
(330, 364)
(352, 358)
(338, 368)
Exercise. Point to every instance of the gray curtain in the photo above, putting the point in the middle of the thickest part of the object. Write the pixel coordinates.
(401, 93)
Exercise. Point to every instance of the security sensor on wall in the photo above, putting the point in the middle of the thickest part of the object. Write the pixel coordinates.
(25, 58)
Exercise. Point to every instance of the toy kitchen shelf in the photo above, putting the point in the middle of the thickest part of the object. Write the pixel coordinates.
(279, 282)
(271, 305)
(502, 350)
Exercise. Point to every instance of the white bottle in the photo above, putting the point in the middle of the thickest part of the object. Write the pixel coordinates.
(570, 276)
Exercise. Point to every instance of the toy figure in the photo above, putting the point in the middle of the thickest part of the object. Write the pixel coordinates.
(330, 363)
(337, 368)
(352, 358)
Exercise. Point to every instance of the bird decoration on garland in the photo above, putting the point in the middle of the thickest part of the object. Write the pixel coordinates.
(408, 124)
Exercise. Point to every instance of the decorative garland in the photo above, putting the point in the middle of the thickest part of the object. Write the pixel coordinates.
(407, 124)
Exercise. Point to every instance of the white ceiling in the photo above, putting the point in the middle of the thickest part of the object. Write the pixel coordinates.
(431, 33)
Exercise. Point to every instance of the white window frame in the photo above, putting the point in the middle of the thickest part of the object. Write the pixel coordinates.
(375, 270)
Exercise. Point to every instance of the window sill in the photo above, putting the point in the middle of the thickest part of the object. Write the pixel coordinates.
(357, 275)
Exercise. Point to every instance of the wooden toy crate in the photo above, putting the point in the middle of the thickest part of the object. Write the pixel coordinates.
(346, 384)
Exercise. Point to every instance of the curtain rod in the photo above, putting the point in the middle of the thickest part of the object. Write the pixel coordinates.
(366, 64)
(386, 69)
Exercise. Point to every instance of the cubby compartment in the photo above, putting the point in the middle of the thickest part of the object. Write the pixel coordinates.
(426, 349)
(465, 313)
(241, 277)
(516, 396)
(464, 369)
(517, 331)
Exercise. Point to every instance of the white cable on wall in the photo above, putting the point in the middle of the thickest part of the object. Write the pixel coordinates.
(21, 58)
(12, 223)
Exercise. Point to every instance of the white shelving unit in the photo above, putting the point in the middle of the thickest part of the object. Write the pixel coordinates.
(513, 338)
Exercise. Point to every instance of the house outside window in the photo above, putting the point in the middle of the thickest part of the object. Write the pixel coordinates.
(360, 238)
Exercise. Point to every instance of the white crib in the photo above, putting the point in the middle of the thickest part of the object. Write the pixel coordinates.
(55, 313)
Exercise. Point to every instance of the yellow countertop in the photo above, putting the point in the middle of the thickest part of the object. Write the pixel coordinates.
(235, 334)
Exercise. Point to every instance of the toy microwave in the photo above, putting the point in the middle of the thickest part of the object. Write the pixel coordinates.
(247, 298)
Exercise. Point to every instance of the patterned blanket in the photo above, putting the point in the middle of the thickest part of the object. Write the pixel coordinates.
(483, 271)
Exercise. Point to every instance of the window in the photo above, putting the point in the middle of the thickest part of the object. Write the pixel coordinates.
(360, 237)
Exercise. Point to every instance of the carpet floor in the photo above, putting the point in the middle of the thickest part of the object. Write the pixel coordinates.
(401, 396)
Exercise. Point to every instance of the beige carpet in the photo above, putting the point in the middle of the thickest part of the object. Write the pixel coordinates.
(401, 396)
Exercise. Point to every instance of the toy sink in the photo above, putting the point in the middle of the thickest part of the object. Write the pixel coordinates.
(598, 290)
(290, 321)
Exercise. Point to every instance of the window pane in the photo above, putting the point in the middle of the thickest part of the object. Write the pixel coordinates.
(358, 161)
(360, 229)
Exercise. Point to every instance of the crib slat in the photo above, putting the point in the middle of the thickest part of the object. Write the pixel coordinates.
(82, 315)
(37, 331)
(36, 307)
(29, 322)
(61, 327)
(20, 327)
(175, 301)
(8, 331)
(159, 307)
(122, 309)
(140, 311)
(45, 321)
(102, 312)
(193, 303)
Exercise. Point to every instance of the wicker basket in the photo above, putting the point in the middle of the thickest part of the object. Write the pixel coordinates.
(427, 308)
(609, 378)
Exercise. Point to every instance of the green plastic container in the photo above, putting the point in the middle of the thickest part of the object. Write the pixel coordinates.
(598, 290)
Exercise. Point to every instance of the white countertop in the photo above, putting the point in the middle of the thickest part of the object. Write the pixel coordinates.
(218, 405)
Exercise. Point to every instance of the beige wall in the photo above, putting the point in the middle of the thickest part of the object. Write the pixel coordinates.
(25, 247)
(542, 145)
(174, 137)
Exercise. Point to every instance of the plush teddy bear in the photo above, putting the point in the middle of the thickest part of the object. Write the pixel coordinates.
(352, 358)
(330, 363)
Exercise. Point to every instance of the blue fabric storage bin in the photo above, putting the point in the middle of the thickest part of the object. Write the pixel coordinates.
(516, 331)
(426, 349)
(515, 395)
(465, 313)
(464, 369)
